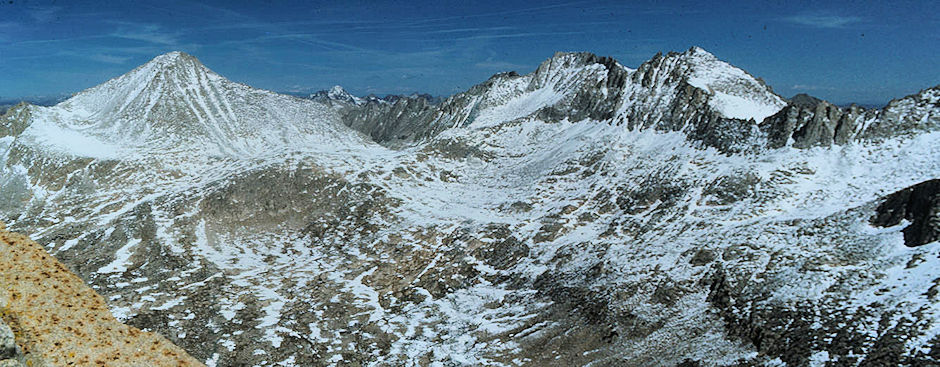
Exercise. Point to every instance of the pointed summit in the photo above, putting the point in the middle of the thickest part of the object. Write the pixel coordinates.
(174, 56)
(175, 60)
(336, 94)
(734, 92)
(164, 77)
(698, 51)
(338, 90)
(175, 102)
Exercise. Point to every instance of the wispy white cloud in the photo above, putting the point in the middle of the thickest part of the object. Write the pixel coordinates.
(491, 64)
(516, 35)
(44, 14)
(470, 30)
(150, 33)
(51, 41)
(528, 10)
(108, 58)
(5, 30)
(310, 39)
(811, 87)
(823, 20)
(103, 57)
(279, 26)
(297, 88)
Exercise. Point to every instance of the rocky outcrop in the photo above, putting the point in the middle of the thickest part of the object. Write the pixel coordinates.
(919, 204)
(14, 120)
(10, 355)
(908, 116)
(801, 333)
(393, 121)
(808, 122)
(57, 320)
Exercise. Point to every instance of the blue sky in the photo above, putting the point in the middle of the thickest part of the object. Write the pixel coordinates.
(867, 52)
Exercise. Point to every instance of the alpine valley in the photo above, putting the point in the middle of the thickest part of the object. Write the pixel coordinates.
(676, 214)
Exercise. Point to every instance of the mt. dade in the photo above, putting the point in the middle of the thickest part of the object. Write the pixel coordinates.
(586, 213)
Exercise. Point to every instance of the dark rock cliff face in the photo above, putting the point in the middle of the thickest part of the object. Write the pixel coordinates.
(813, 124)
(809, 122)
(405, 119)
(596, 101)
(791, 332)
(920, 204)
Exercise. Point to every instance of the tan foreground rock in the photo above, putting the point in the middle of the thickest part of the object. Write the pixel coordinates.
(57, 320)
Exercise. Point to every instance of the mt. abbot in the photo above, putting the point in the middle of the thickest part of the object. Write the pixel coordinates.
(587, 213)
(175, 103)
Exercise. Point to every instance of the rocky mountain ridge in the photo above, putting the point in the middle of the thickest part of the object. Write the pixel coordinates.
(699, 82)
(680, 213)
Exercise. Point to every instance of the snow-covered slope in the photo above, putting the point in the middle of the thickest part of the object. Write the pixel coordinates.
(734, 93)
(584, 214)
(174, 103)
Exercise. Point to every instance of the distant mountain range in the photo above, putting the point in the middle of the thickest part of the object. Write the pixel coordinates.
(6, 103)
(588, 213)
(52, 100)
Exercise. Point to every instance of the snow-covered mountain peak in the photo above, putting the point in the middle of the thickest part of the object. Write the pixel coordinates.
(175, 103)
(696, 51)
(337, 90)
(734, 92)
(171, 74)
(574, 67)
(174, 58)
(337, 94)
(731, 91)
(669, 92)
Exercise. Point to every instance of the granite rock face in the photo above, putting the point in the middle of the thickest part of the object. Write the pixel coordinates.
(50, 317)
(402, 121)
(919, 204)
(809, 122)
(7, 342)
(813, 124)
